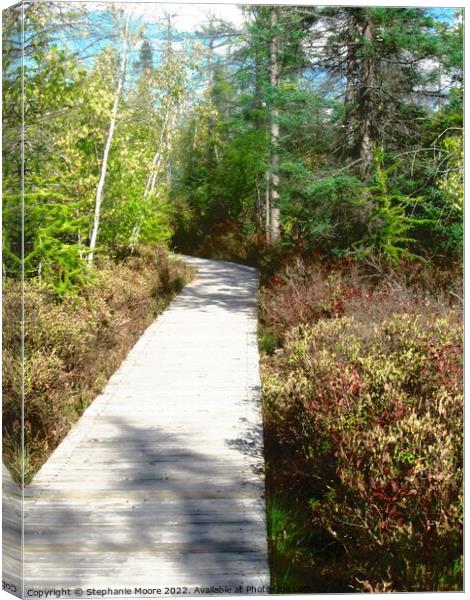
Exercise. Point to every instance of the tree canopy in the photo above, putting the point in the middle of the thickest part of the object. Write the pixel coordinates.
(331, 129)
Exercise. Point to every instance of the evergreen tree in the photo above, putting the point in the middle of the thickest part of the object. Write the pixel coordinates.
(380, 54)
(145, 62)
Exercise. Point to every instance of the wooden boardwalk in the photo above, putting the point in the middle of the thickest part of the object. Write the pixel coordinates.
(160, 484)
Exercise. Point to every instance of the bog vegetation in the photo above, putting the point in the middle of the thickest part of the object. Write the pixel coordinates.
(362, 384)
(324, 146)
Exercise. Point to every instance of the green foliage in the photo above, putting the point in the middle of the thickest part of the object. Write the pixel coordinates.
(268, 341)
(282, 528)
(213, 154)
(329, 216)
(326, 204)
(451, 183)
(68, 107)
(435, 172)
(388, 221)
(218, 181)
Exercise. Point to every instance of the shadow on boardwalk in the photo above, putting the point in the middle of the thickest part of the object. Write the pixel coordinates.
(237, 294)
(161, 481)
(211, 529)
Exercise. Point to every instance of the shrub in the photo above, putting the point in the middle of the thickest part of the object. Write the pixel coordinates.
(73, 345)
(305, 290)
(368, 414)
(12, 371)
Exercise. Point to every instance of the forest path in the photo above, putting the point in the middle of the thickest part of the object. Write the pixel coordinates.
(160, 483)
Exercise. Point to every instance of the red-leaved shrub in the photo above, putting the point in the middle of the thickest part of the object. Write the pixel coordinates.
(364, 415)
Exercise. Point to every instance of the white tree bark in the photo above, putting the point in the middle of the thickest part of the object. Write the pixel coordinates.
(164, 145)
(163, 151)
(109, 140)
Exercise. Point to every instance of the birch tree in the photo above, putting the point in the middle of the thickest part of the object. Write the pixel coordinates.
(168, 84)
(109, 138)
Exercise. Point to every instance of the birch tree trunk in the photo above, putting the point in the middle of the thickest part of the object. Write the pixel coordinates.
(109, 140)
(273, 213)
(164, 147)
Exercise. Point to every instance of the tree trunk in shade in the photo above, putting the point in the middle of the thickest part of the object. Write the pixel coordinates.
(366, 100)
(273, 230)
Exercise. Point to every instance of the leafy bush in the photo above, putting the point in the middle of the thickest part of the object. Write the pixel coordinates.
(365, 411)
(305, 291)
(12, 369)
(72, 346)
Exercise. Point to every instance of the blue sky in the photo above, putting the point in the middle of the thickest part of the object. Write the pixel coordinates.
(186, 18)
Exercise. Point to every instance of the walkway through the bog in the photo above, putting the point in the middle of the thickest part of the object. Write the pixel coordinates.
(160, 484)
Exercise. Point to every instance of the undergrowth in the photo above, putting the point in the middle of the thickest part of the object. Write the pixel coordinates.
(72, 345)
(362, 392)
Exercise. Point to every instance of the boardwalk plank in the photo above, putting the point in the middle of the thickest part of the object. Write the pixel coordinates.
(160, 483)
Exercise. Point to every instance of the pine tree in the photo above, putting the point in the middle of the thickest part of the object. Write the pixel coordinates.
(380, 54)
(145, 62)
